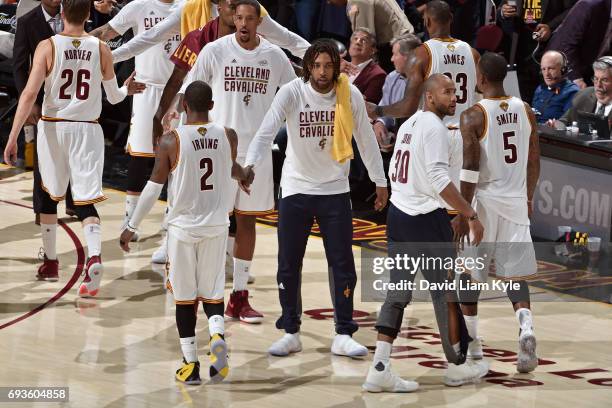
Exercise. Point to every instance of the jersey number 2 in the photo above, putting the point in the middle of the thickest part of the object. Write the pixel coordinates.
(462, 81)
(207, 165)
(82, 88)
(510, 158)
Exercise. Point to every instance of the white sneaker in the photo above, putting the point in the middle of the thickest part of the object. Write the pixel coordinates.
(527, 360)
(160, 256)
(469, 372)
(344, 345)
(289, 343)
(381, 379)
(474, 351)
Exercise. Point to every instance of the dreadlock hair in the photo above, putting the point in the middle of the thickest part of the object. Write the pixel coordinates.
(322, 46)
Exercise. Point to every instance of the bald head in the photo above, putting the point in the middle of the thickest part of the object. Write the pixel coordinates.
(439, 92)
(552, 67)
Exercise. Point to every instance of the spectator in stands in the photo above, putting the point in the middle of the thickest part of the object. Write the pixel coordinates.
(584, 36)
(554, 97)
(533, 21)
(369, 76)
(393, 89)
(595, 99)
(384, 18)
(307, 14)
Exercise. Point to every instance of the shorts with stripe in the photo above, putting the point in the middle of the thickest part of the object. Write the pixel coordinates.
(144, 106)
(196, 267)
(261, 199)
(71, 152)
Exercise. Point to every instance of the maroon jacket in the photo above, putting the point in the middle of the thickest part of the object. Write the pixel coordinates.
(370, 82)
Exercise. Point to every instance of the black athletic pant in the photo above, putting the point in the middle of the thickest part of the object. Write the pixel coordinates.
(425, 235)
(296, 216)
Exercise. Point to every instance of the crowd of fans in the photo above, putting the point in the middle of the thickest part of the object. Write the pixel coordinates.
(556, 46)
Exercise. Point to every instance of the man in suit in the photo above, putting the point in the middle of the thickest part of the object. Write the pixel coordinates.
(584, 36)
(369, 77)
(33, 27)
(595, 99)
(384, 18)
(533, 21)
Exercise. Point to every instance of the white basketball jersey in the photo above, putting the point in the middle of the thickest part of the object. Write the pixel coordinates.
(199, 188)
(504, 148)
(73, 88)
(153, 66)
(454, 59)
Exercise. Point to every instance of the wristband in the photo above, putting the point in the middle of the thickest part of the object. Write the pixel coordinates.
(378, 110)
(469, 176)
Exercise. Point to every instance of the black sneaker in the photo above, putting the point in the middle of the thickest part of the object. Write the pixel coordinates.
(189, 373)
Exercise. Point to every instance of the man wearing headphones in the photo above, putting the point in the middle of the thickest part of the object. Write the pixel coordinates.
(595, 99)
(554, 97)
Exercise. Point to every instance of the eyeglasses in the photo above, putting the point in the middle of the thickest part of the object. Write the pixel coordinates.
(603, 81)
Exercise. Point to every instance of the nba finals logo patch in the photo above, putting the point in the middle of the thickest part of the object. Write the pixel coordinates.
(76, 43)
(504, 105)
(202, 131)
(451, 47)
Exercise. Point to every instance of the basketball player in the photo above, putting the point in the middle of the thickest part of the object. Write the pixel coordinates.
(315, 184)
(416, 218)
(73, 67)
(199, 160)
(152, 68)
(270, 29)
(442, 54)
(244, 71)
(501, 166)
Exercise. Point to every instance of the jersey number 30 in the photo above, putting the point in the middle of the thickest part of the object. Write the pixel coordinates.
(82, 86)
(400, 174)
(207, 165)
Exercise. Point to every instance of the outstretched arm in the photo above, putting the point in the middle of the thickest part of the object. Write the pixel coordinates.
(281, 36)
(105, 33)
(165, 159)
(168, 95)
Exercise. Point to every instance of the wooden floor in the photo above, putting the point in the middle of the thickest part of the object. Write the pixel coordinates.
(121, 349)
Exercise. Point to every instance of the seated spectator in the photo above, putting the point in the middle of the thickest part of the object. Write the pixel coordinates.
(595, 99)
(393, 89)
(384, 18)
(554, 97)
(369, 77)
(583, 37)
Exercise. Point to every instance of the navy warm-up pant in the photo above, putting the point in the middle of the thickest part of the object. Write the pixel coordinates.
(296, 216)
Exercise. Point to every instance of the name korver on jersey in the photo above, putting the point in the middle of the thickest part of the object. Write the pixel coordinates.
(246, 79)
(77, 54)
(317, 123)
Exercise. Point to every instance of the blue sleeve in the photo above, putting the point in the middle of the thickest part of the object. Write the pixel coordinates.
(570, 98)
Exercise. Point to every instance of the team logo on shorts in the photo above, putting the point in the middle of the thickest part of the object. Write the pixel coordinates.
(451, 47)
(504, 105)
(202, 131)
(76, 43)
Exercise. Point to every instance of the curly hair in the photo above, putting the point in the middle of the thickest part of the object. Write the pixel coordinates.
(322, 46)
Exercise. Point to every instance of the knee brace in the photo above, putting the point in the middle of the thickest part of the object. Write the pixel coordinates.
(212, 309)
(86, 211)
(232, 226)
(139, 171)
(48, 205)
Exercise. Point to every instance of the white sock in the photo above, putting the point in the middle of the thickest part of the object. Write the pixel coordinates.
(93, 236)
(382, 352)
(523, 315)
(230, 245)
(189, 346)
(216, 325)
(471, 323)
(241, 274)
(130, 205)
(49, 233)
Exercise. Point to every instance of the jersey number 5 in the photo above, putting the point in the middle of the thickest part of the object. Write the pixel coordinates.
(462, 80)
(207, 165)
(82, 86)
(510, 158)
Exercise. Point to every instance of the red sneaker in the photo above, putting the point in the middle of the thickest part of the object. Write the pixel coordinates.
(93, 275)
(238, 307)
(48, 271)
